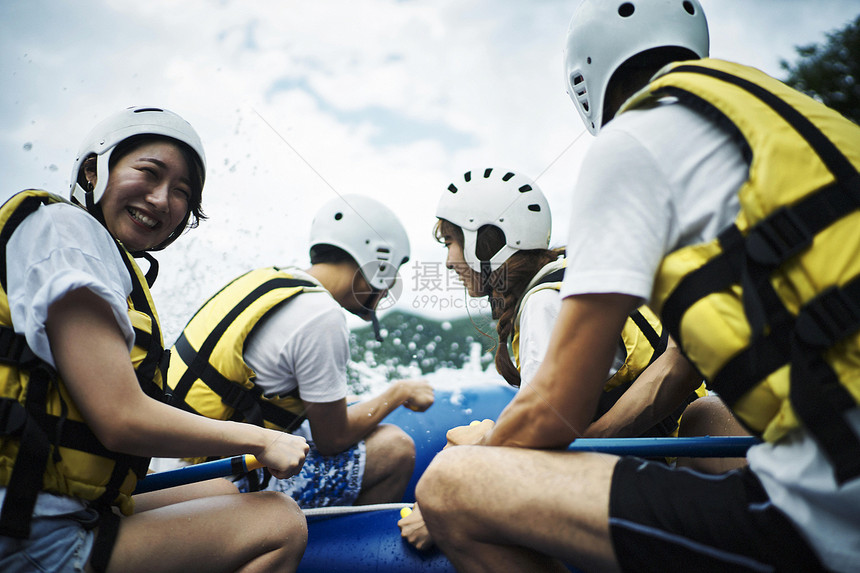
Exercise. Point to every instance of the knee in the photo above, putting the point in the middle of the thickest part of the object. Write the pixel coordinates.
(395, 444)
(708, 415)
(220, 486)
(433, 491)
(284, 519)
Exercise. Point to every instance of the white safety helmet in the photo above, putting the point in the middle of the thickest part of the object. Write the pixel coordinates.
(603, 34)
(512, 202)
(104, 137)
(368, 231)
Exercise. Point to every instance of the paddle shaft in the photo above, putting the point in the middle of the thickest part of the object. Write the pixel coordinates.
(699, 447)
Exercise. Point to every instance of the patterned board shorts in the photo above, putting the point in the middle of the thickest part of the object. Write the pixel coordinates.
(323, 481)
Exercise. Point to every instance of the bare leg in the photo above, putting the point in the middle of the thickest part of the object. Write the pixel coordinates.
(389, 465)
(248, 532)
(146, 501)
(709, 416)
(508, 509)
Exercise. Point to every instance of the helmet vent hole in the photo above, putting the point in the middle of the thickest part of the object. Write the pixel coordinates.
(577, 79)
(688, 6)
(525, 188)
(588, 60)
(338, 216)
(467, 176)
(507, 176)
(534, 207)
(585, 105)
(626, 10)
(452, 188)
(145, 109)
(487, 173)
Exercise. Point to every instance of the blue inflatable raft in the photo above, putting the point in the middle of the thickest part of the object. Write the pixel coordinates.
(367, 539)
(370, 541)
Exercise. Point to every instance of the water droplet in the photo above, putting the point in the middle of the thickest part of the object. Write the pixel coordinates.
(28, 146)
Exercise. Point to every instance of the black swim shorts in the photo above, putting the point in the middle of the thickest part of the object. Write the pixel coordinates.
(665, 519)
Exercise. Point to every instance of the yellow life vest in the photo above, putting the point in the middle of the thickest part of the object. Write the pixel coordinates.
(769, 311)
(642, 339)
(208, 374)
(45, 445)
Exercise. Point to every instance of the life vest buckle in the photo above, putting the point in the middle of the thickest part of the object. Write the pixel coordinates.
(828, 318)
(778, 237)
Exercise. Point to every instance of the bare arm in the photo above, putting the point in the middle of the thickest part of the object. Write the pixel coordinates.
(91, 355)
(661, 388)
(558, 404)
(335, 426)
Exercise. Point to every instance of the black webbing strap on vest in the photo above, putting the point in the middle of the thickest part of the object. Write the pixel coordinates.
(156, 357)
(248, 403)
(816, 395)
(29, 470)
(659, 342)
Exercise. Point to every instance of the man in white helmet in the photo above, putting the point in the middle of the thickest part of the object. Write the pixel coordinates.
(729, 202)
(271, 348)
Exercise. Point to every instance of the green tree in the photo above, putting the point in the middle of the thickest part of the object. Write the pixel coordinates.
(830, 72)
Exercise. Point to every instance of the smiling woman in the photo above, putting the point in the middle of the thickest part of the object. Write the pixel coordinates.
(81, 383)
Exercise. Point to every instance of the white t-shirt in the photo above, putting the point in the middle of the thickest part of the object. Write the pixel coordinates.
(537, 318)
(660, 179)
(57, 249)
(304, 343)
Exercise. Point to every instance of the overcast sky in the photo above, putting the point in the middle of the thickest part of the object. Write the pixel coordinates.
(299, 101)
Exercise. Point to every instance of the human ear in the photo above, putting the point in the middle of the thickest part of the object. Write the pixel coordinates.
(89, 169)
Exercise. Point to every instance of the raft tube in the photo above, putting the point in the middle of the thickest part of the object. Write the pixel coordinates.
(370, 542)
(450, 409)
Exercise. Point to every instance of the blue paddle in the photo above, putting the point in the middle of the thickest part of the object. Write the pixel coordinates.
(698, 447)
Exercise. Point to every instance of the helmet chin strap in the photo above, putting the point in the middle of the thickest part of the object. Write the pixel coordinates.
(374, 321)
(486, 271)
(368, 313)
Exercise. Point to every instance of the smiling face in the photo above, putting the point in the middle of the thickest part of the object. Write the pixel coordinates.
(147, 194)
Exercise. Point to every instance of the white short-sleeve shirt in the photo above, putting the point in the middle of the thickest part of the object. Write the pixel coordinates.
(302, 344)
